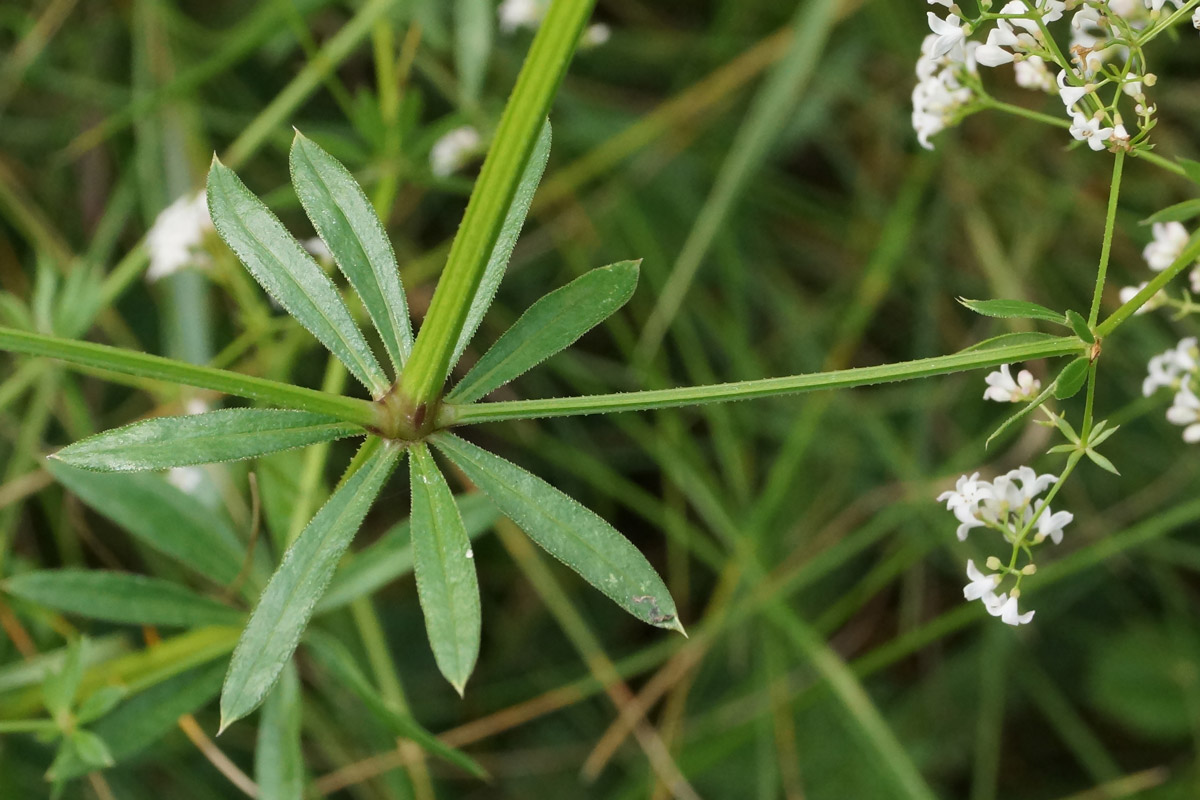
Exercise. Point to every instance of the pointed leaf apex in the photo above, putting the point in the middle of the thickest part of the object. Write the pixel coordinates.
(460, 687)
(225, 723)
(676, 625)
(216, 161)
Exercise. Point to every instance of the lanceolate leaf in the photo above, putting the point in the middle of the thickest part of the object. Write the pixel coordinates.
(391, 555)
(161, 516)
(226, 435)
(288, 273)
(569, 532)
(348, 224)
(333, 656)
(1071, 379)
(1013, 309)
(1180, 212)
(551, 324)
(121, 597)
(514, 220)
(278, 760)
(445, 569)
(1009, 339)
(275, 627)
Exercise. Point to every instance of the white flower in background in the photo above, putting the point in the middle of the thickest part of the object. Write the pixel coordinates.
(595, 35)
(174, 240)
(964, 501)
(945, 3)
(317, 248)
(1003, 389)
(981, 586)
(1031, 73)
(1157, 300)
(452, 152)
(1196, 19)
(189, 479)
(949, 33)
(939, 94)
(1194, 279)
(1185, 410)
(1167, 245)
(516, 14)
(1166, 370)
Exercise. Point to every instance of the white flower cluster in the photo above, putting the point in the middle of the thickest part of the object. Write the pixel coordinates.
(1011, 506)
(1178, 369)
(454, 150)
(517, 14)
(1168, 242)
(1003, 389)
(174, 240)
(1102, 32)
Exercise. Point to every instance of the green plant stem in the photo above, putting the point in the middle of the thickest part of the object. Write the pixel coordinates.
(1036, 116)
(1110, 220)
(144, 365)
(1159, 161)
(523, 117)
(1188, 257)
(743, 390)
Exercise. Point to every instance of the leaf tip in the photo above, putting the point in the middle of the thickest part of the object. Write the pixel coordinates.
(676, 625)
(225, 723)
(460, 686)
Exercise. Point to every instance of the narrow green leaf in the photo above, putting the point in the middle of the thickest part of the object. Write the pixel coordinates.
(1180, 212)
(333, 656)
(551, 324)
(1191, 169)
(347, 222)
(569, 532)
(289, 274)
(1101, 461)
(121, 597)
(99, 703)
(1080, 326)
(1029, 408)
(150, 715)
(1013, 309)
(225, 435)
(474, 21)
(283, 611)
(61, 685)
(278, 759)
(445, 569)
(497, 262)
(1010, 339)
(161, 516)
(1071, 379)
(391, 556)
(91, 749)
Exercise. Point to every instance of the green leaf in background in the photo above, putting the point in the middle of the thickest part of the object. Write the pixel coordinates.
(497, 263)
(1144, 678)
(62, 684)
(148, 716)
(445, 569)
(225, 435)
(391, 556)
(1071, 379)
(22, 673)
(289, 274)
(161, 516)
(333, 656)
(1080, 326)
(278, 759)
(91, 749)
(120, 597)
(348, 224)
(473, 31)
(1191, 169)
(551, 324)
(1013, 309)
(1180, 212)
(283, 611)
(1010, 339)
(569, 532)
(99, 703)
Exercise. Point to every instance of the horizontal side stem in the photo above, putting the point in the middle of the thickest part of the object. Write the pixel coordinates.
(143, 365)
(744, 390)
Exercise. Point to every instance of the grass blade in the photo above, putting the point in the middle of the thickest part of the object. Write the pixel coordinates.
(278, 760)
(553, 323)
(333, 656)
(348, 224)
(161, 516)
(289, 274)
(569, 532)
(497, 263)
(445, 569)
(275, 626)
(121, 597)
(225, 435)
(391, 556)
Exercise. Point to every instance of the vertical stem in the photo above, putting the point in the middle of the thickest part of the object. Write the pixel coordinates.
(1106, 248)
(523, 117)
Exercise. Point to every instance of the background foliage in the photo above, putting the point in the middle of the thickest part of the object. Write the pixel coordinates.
(820, 236)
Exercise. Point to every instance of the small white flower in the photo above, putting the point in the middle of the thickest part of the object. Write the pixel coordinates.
(317, 248)
(186, 479)
(1185, 410)
(595, 35)
(1050, 525)
(453, 150)
(1003, 389)
(1196, 19)
(1087, 129)
(964, 501)
(1169, 240)
(981, 586)
(1167, 369)
(950, 33)
(1006, 610)
(1194, 280)
(945, 3)
(1070, 95)
(174, 239)
(1156, 300)
(516, 14)
(1031, 73)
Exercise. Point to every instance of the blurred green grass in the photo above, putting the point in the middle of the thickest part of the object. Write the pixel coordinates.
(845, 246)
